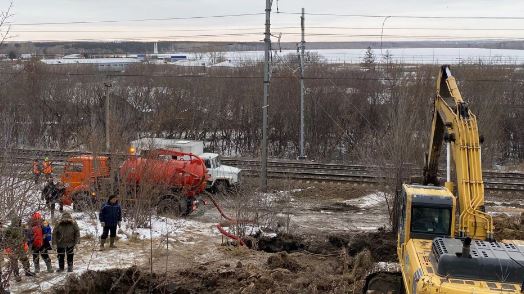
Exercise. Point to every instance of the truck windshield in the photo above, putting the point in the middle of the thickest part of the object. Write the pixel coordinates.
(431, 220)
(73, 167)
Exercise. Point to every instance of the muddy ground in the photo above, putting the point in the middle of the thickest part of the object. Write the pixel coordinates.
(322, 239)
(227, 269)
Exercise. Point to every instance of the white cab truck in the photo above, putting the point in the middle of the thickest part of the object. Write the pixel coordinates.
(221, 177)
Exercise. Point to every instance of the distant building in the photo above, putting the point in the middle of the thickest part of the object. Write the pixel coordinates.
(72, 56)
(102, 64)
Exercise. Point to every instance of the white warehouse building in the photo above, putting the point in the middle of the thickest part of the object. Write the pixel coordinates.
(103, 64)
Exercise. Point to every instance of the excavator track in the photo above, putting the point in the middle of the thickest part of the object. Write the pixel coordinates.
(384, 278)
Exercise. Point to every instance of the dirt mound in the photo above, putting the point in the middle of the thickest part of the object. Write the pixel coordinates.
(298, 272)
(381, 244)
(509, 228)
(131, 280)
(283, 260)
(282, 242)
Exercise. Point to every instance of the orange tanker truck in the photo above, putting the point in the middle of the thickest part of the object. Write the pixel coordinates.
(167, 179)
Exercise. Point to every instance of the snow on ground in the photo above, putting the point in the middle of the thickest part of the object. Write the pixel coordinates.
(368, 201)
(160, 227)
(133, 245)
(87, 257)
(130, 251)
(278, 196)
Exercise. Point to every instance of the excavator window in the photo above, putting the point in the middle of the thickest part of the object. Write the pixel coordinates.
(431, 221)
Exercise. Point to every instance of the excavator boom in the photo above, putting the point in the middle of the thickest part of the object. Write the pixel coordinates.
(454, 124)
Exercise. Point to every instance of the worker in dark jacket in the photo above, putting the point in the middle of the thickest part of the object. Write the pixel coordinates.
(110, 217)
(65, 236)
(16, 247)
(51, 194)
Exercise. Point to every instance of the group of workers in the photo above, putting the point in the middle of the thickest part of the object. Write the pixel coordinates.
(37, 236)
(45, 168)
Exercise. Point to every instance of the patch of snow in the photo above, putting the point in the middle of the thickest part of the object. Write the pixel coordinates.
(278, 196)
(300, 190)
(368, 201)
(387, 266)
(367, 228)
(160, 227)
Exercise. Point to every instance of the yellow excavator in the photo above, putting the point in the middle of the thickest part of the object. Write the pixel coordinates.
(433, 257)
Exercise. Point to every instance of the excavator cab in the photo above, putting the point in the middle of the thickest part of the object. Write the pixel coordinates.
(427, 212)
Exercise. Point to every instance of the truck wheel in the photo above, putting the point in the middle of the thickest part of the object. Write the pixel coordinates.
(171, 206)
(221, 187)
(81, 201)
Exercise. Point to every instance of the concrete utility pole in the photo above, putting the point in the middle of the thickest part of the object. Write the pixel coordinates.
(301, 50)
(267, 41)
(107, 85)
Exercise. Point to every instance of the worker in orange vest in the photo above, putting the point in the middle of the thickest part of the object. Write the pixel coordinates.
(47, 168)
(36, 170)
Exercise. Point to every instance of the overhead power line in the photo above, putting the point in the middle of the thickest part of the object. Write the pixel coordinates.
(134, 20)
(256, 28)
(409, 16)
(204, 37)
(256, 14)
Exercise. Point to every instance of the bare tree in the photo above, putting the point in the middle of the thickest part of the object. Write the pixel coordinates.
(5, 27)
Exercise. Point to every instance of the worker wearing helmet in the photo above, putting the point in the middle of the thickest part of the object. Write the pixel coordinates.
(47, 168)
(37, 242)
(36, 170)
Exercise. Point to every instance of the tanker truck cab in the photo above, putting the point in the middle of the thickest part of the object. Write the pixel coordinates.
(81, 174)
(221, 177)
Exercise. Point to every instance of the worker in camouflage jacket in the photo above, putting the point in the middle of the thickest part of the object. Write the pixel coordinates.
(66, 236)
(16, 248)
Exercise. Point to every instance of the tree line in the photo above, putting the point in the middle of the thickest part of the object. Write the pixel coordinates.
(352, 112)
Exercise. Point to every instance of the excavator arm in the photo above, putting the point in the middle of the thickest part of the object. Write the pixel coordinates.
(454, 124)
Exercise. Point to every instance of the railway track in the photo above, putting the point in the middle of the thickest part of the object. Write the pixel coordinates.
(294, 170)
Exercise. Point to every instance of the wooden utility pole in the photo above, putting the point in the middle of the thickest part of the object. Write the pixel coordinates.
(265, 105)
(301, 50)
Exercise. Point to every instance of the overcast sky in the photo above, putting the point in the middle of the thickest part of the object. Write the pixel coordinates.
(250, 28)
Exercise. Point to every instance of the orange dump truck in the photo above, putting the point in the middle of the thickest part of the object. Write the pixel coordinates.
(169, 180)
